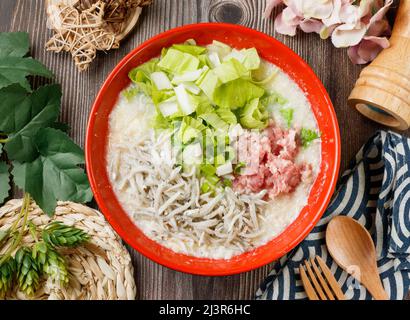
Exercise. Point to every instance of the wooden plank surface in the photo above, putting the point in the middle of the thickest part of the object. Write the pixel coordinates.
(331, 65)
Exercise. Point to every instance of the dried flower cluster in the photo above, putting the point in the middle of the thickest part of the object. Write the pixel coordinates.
(359, 25)
(82, 27)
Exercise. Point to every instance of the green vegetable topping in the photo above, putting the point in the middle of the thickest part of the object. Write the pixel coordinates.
(239, 167)
(307, 136)
(254, 115)
(198, 93)
(287, 114)
(178, 62)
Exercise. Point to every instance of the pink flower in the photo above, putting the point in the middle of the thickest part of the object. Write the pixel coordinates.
(368, 49)
(270, 5)
(360, 26)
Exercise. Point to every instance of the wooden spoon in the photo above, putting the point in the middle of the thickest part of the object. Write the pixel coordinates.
(352, 247)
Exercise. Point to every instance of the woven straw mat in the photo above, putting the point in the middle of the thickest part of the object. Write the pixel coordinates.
(100, 269)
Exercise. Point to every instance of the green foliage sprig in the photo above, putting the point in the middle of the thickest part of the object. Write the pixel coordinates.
(41, 259)
(42, 161)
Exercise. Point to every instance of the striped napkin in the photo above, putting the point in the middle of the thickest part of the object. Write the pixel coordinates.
(375, 191)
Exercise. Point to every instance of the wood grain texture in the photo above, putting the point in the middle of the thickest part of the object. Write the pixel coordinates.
(331, 65)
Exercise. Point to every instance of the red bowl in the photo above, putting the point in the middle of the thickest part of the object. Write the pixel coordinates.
(274, 52)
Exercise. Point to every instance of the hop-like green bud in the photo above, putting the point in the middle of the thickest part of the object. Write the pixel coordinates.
(57, 234)
(7, 269)
(40, 253)
(55, 267)
(51, 262)
(28, 271)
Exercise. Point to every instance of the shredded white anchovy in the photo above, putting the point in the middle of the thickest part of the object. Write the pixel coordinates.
(160, 192)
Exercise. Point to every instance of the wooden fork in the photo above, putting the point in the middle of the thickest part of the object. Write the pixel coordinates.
(319, 282)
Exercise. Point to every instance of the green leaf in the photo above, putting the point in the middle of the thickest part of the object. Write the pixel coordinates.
(251, 59)
(40, 109)
(54, 174)
(227, 115)
(143, 71)
(287, 114)
(208, 169)
(215, 121)
(14, 44)
(254, 115)
(230, 70)
(16, 69)
(4, 181)
(14, 108)
(177, 62)
(61, 126)
(307, 136)
(191, 49)
(237, 93)
(208, 82)
(141, 77)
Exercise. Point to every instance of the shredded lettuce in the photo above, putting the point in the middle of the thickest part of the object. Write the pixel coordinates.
(191, 87)
(248, 58)
(254, 115)
(227, 115)
(161, 81)
(307, 136)
(159, 96)
(189, 76)
(169, 107)
(208, 83)
(208, 169)
(160, 122)
(215, 121)
(251, 60)
(178, 62)
(187, 103)
(189, 48)
(287, 115)
(239, 166)
(131, 92)
(230, 70)
(235, 94)
(142, 72)
(200, 93)
(268, 79)
(220, 48)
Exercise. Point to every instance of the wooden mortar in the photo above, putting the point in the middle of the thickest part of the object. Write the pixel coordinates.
(382, 92)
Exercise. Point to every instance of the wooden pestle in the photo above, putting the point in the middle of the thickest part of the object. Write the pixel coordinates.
(382, 92)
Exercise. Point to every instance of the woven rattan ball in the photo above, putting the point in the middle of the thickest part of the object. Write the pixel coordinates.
(100, 270)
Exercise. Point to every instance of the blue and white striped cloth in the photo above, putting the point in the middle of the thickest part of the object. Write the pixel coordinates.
(375, 191)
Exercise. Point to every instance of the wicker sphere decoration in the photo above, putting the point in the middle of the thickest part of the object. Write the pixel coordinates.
(99, 270)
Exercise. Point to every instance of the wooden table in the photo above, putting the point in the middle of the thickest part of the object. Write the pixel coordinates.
(330, 64)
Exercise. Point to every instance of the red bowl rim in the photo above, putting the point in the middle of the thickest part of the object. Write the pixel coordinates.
(175, 266)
